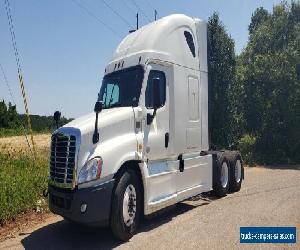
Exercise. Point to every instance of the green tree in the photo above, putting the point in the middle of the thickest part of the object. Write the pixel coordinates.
(10, 119)
(3, 115)
(269, 74)
(260, 16)
(12, 116)
(221, 70)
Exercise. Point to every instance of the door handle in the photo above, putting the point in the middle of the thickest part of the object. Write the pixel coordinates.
(166, 140)
(181, 163)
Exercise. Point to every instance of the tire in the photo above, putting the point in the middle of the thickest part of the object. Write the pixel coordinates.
(236, 171)
(221, 174)
(124, 218)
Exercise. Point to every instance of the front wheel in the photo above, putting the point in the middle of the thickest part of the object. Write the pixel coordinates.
(126, 206)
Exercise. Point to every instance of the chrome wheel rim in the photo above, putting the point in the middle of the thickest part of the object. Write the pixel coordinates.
(238, 171)
(129, 205)
(224, 175)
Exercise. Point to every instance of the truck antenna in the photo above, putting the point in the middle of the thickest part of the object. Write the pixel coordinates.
(137, 21)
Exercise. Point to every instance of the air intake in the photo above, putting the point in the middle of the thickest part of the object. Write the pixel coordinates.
(62, 158)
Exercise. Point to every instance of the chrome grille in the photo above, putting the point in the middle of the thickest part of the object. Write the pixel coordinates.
(62, 158)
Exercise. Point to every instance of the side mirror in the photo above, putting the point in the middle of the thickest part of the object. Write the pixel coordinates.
(98, 107)
(56, 117)
(155, 100)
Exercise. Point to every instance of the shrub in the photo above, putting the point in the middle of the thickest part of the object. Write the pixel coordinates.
(246, 145)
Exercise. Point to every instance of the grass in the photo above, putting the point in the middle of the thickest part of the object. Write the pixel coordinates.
(7, 132)
(22, 181)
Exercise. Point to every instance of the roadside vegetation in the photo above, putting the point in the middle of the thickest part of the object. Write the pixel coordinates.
(7, 132)
(23, 178)
(22, 181)
(256, 95)
(12, 123)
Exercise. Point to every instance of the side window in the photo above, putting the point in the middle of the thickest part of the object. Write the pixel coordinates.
(190, 41)
(155, 74)
(111, 95)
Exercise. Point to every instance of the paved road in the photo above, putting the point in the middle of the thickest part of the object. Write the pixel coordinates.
(269, 197)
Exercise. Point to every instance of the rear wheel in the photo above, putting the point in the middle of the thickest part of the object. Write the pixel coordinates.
(221, 173)
(126, 206)
(237, 170)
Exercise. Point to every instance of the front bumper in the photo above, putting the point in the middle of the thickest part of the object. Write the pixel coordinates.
(67, 203)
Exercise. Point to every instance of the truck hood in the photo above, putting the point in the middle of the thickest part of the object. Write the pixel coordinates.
(108, 118)
(113, 126)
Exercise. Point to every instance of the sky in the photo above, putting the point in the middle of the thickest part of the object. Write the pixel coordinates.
(64, 50)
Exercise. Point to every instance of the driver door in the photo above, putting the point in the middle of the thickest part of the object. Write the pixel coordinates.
(161, 177)
(156, 133)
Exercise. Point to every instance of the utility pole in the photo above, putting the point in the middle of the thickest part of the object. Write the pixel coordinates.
(155, 15)
(137, 21)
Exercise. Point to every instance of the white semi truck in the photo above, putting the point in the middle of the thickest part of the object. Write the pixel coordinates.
(146, 146)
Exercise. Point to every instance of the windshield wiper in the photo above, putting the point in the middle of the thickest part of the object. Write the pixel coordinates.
(115, 105)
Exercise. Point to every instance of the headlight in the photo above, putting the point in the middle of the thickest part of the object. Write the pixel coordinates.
(91, 170)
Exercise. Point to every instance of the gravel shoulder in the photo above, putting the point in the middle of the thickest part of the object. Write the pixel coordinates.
(269, 197)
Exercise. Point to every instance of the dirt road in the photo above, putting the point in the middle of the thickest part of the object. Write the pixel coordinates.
(269, 197)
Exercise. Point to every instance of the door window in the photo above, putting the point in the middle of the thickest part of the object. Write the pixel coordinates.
(155, 74)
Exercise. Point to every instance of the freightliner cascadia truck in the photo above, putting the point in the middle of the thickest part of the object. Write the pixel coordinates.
(146, 145)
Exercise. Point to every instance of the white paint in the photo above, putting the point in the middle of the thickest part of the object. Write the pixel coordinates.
(124, 133)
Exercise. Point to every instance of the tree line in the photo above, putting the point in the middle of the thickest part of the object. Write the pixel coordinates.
(11, 120)
(255, 96)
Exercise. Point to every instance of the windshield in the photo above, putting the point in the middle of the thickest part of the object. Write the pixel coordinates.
(122, 88)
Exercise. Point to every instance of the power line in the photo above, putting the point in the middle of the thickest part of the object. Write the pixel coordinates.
(153, 8)
(149, 4)
(17, 57)
(117, 14)
(90, 13)
(7, 84)
(129, 8)
(14, 103)
(140, 9)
